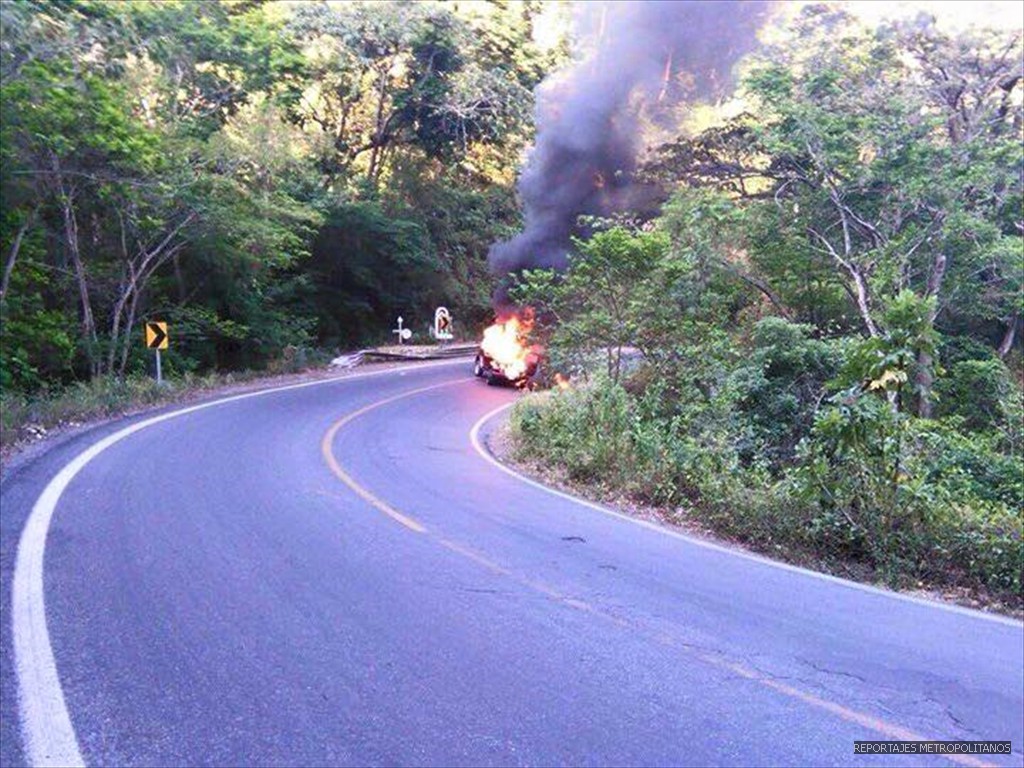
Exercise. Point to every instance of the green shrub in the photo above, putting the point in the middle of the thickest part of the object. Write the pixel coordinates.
(956, 349)
(915, 498)
(778, 387)
(587, 430)
(81, 401)
(976, 391)
(911, 499)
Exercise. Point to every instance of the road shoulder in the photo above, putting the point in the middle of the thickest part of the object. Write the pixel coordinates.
(495, 437)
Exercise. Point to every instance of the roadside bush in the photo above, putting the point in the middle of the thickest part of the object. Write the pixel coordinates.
(24, 415)
(976, 391)
(909, 499)
(913, 498)
(778, 388)
(587, 429)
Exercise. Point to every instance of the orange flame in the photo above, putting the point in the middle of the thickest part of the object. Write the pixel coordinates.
(561, 381)
(506, 344)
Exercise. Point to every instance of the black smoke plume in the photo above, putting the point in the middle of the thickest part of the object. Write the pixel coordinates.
(648, 57)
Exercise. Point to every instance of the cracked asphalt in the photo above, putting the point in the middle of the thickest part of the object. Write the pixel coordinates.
(217, 594)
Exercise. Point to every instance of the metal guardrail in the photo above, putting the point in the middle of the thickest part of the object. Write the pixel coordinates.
(378, 355)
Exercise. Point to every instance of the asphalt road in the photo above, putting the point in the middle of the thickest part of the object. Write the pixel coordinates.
(335, 575)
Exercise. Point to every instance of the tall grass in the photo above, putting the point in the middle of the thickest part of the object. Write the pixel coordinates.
(27, 415)
(24, 416)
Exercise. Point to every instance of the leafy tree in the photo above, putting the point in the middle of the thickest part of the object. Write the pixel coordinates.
(74, 138)
(236, 167)
(367, 268)
(597, 303)
(401, 75)
(463, 215)
(894, 174)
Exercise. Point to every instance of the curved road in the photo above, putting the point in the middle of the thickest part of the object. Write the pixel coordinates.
(335, 575)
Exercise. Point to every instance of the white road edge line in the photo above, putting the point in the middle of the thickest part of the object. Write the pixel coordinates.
(49, 738)
(474, 437)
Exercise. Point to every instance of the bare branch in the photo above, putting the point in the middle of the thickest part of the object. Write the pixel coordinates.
(863, 295)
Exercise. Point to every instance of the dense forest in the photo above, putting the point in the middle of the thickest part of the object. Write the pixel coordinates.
(266, 177)
(814, 345)
(804, 333)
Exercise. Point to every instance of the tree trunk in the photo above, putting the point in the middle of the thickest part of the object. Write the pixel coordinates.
(1008, 338)
(88, 323)
(925, 380)
(925, 375)
(863, 300)
(115, 330)
(13, 256)
(861, 293)
(179, 280)
(126, 297)
(666, 77)
(378, 128)
(126, 342)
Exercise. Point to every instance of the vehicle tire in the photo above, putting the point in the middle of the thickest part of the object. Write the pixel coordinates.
(478, 367)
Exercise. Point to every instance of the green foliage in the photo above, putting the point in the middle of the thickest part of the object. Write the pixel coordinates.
(213, 58)
(606, 435)
(913, 497)
(887, 364)
(81, 119)
(266, 177)
(367, 268)
(778, 388)
(597, 302)
(913, 500)
(627, 293)
(863, 176)
(409, 74)
(976, 391)
(36, 344)
(462, 221)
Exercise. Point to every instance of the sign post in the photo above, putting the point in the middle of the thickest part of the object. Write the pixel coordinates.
(403, 333)
(156, 339)
(442, 324)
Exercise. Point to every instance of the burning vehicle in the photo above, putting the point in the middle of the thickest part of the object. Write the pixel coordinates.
(506, 356)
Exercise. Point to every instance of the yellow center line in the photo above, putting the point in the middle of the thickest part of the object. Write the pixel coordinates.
(326, 449)
(862, 719)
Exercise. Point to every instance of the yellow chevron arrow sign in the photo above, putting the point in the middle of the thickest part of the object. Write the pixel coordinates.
(156, 335)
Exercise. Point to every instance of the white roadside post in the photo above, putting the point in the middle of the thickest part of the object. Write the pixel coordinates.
(404, 334)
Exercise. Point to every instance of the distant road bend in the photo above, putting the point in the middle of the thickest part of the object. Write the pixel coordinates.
(338, 574)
